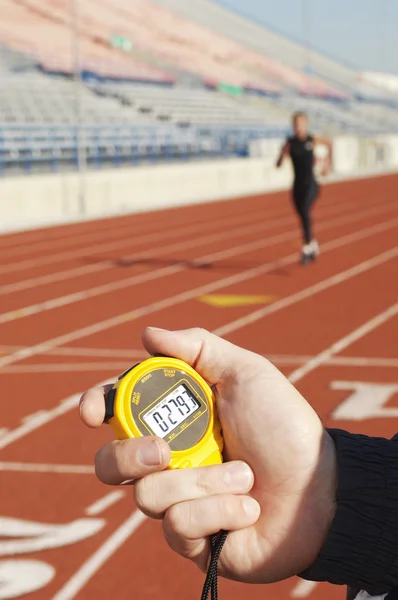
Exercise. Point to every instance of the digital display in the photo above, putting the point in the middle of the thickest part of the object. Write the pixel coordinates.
(171, 411)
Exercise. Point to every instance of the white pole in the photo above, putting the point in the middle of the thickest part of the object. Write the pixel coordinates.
(80, 137)
(305, 24)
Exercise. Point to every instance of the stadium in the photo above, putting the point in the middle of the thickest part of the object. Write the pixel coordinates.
(138, 187)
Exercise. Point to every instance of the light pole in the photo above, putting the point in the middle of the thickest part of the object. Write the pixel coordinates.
(80, 137)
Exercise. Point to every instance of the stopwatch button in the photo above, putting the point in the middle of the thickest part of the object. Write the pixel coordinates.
(128, 371)
(109, 405)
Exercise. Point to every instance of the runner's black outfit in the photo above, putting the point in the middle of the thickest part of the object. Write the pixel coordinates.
(305, 187)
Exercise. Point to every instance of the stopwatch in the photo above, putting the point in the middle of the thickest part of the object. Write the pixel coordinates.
(167, 398)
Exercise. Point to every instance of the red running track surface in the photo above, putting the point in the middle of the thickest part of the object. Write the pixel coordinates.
(74, 301)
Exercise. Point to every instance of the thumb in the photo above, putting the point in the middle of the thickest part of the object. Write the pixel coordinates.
(214, 358)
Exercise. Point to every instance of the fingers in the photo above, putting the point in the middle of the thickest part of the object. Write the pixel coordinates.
(156, 493)
(127, 460)
(92, 406)
(187, 525)
(213, 357)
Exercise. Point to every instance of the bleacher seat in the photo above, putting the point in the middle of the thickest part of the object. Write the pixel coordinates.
(162, 79)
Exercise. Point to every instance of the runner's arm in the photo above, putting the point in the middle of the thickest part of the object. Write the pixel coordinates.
(283, 154)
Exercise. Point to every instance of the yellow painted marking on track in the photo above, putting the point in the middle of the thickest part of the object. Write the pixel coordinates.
(226, 300)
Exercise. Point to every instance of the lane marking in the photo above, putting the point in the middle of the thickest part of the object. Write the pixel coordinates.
(100, 557)
(307, 292)
(226, 300)
(31, 536)
(70, 351)
(341, 361)
(23, 467)
(303, 589)
(344, 342)
(43, 418)
(103, 503)
(62, 275)
(367, 400)
(21, 577)
(135, 279)
(82, 367)
(360, 361)
(201, 290)
(79, 367)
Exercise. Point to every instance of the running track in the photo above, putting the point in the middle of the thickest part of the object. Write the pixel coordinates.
(73, 303)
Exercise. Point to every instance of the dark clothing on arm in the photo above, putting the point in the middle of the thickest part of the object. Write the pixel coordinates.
(305, 186)
(362, 546)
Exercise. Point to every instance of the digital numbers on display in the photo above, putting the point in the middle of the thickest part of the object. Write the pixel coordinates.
(171, 411)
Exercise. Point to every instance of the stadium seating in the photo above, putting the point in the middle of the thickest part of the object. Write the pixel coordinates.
(160, 80)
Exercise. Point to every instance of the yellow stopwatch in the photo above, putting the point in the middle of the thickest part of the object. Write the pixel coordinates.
(166, 397)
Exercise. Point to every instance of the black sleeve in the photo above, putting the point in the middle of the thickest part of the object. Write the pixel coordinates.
(361, 550)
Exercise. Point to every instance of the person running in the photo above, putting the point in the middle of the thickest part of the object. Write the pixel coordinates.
(300, 147)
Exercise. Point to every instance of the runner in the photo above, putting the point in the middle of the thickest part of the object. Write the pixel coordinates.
(300, 148)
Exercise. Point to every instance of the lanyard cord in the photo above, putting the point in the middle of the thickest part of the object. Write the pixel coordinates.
(217, 542)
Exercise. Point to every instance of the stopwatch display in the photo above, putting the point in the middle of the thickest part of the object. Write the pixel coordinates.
(172, 411)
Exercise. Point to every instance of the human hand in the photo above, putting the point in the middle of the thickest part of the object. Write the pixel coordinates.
(275, 492)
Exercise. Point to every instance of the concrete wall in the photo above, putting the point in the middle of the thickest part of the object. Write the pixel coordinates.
(39, 200)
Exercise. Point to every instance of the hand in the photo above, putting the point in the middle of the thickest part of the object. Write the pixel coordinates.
(275, 496)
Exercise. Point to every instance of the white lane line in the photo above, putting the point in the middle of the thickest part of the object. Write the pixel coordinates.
(187, 295)
(23, 467)
(106, 264)
(343, 343)
(286, 359)
(80, 367)
(102, 504)
(341, 361)
(303, 588)
(74, 239)
(107, 288)
(307, 292)
(26, 284)
(44, 417)
(147, 238)
(70, 351)
(100, 557)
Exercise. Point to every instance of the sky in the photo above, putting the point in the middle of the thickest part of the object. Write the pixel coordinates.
(361, 33)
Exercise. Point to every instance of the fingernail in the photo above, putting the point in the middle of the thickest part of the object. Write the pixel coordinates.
(156, 329)
(251, 507)
(150, 454)
(238, 476)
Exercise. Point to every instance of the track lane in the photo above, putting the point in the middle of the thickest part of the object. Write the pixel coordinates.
(209, 281)
(74, 260)
(68, 440)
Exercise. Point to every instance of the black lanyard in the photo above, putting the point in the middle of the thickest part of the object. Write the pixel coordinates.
(217, 542)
